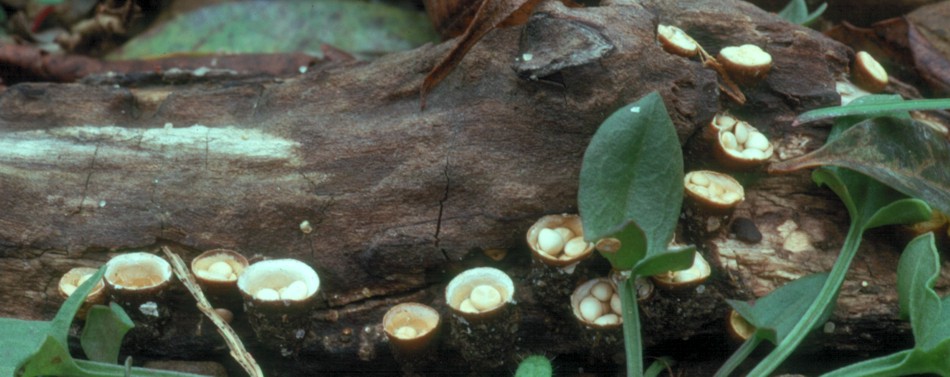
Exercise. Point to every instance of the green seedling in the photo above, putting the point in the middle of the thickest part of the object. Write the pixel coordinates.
(917, 271)
(631, 189)
(774, 315)
(796, 11)
(870, 204)
(40, 348)
(534, 366)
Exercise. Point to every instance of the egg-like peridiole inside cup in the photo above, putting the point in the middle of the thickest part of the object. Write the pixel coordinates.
(411, 326)
(277, 280)
(479, 292)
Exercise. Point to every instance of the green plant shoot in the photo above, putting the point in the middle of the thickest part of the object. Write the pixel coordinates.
(631, 189)
(917, 271)
(870, 204)
(39, 348)
(796, 11)
(774, 315)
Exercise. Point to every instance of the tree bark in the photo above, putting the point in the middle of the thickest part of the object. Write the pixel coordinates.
(400, 200)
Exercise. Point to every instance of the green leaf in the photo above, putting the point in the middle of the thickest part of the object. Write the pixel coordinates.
(285, 26)
(880, 105)
(891, 365)
(633, 172)
(796, 11)
(19, 339)
(901, 153)
(674, 259)
(775, 314)
(659, 366)
(102, 336)
(52, 359)
(917, 271)
(633, 348)
(59, 326)
(534, 366)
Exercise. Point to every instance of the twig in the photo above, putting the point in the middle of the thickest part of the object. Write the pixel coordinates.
(238, 352)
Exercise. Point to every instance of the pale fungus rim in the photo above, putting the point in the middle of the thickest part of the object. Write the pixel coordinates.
(675, 41)
(143, 266)
(73, 277)
(411, 314)
(461, 287)
(700, 267)
(275, 274)
(727, 183)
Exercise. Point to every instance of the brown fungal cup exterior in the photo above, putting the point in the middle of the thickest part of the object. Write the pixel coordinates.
(739, 329)
(138, 282)
(711, 198)
(675, 41)
(217, 271)
(746, 64)
(868, 74)
(412, 330)
(72, 279)
(484, 318)
(557, 249)
(278, 296)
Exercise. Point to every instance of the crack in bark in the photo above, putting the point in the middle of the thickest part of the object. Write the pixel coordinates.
(85, 187)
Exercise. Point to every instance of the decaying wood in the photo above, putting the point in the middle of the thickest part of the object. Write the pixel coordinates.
(401, 200)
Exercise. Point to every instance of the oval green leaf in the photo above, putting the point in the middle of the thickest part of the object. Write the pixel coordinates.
(633, 172)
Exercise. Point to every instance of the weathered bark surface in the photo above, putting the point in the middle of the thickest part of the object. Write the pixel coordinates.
(401, 200)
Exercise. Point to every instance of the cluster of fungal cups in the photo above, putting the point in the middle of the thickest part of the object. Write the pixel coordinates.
(739, 145)
(597, 303)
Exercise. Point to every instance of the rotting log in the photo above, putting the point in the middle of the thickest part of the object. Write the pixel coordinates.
(400, 199)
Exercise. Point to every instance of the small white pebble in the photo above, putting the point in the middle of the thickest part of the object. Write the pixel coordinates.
(267, 294)
(527, 57)
(305, 227)
(700, 190)
(730, 197)
(725, 121)
(302, 69)
(602, 291)
(607, 320)
(565, 232)
(485, 297)
(864, 283)
(591, 308)
(406, 332)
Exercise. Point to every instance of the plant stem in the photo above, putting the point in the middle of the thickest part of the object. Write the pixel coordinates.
(631, 328)
(826, 298)
(739, 356)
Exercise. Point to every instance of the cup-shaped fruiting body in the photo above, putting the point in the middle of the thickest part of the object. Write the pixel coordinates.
(557, 247)
(558, 240)
(683, 279)
(413, 331)
(742, 147)
(138, 282)
(675, 41)
(868, 73)
(278, 295)
(484, 319)
(217, 271)
(72, 279)
(598, 310)
(739, 329)
(711, 198)
(746, 64)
